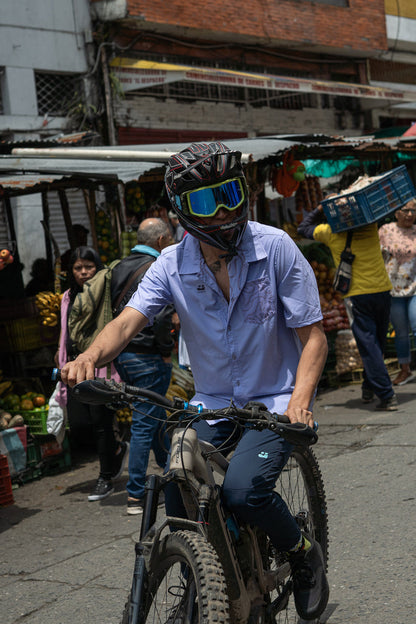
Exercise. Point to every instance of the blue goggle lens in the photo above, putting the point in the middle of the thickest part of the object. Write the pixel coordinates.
(206, 202)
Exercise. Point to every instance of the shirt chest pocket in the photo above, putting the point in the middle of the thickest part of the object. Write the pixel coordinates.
(257, 302)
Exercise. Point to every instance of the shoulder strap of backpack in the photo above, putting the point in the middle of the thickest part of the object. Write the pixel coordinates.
(130, 282)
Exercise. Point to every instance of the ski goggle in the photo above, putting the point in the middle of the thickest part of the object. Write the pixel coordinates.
(206, 201)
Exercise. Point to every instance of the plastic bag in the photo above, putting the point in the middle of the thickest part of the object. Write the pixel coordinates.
(57, 415)
(12, 447)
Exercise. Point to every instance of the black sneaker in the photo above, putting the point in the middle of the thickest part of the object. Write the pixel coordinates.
(103, 488)
(120, 460)
(310, 585)
(367, 395)
(388, 405)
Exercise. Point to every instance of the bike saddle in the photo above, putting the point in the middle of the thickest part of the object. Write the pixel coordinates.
(95, 392)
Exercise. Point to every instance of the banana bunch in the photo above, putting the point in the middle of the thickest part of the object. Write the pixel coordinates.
(5, 386)
(49, 305)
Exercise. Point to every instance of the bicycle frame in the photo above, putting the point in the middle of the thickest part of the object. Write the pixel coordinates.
(250, 568)
(198, 469)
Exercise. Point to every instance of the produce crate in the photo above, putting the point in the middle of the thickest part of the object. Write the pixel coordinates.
(55, 457)
(33, 465)
(45, 457)
(371, 203)
(11, 309)
(6, 494)
(35, 419)
(25, 334)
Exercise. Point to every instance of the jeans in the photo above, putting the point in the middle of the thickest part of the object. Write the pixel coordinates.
(248, 489)
(147, 428)
(403, 318)
(371, 317)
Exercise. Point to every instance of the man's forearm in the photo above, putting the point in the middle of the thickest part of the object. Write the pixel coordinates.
(108, 344)
(310, 367)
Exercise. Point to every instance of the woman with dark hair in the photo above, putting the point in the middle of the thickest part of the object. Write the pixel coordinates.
(83, 265)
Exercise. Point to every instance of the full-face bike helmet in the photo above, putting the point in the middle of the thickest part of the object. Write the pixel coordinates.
(199, 180)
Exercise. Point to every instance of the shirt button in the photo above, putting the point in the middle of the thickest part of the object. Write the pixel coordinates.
(237, 383)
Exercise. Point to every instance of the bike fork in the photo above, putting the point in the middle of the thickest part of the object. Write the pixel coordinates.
(138, 589)
(140, 578)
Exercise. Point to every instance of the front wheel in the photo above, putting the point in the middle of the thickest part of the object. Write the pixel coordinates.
(186, 584)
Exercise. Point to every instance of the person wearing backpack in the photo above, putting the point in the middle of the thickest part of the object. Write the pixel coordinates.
(112, 454)
(146, 360)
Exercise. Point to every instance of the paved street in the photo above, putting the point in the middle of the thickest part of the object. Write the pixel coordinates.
(64, 560)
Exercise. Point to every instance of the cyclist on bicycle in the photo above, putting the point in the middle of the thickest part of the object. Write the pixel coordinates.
(250, 315)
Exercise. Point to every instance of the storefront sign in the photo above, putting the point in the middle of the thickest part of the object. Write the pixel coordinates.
(135, 74)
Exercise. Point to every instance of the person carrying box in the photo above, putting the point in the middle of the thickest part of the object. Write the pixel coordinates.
(368, 300)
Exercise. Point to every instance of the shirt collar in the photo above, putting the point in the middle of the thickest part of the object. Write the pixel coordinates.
(146, 250)
(251, 249)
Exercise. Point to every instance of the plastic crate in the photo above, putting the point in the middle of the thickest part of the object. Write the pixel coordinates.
(35, 420)
(371, 203)
(55, 458)
(11, 309)
(25, 334)
(33, 465)
(6, 494)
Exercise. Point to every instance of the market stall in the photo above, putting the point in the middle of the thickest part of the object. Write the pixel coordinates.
(119, 186)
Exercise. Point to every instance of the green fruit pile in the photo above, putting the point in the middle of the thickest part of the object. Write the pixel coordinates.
(135, 199)
(107, 246)
(128, 241)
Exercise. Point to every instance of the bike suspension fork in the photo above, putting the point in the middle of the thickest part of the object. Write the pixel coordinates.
(139, 585)
(151, 500)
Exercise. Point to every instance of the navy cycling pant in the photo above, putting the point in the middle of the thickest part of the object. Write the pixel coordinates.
(248, 490)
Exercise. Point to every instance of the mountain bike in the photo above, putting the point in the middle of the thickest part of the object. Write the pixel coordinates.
(208, 568)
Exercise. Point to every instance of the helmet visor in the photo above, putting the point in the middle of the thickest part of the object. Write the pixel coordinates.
(206, 201)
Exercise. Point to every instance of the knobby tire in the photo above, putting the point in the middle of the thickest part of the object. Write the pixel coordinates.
(186, 584)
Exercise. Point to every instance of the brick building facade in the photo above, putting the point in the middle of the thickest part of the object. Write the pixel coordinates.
(324, 40)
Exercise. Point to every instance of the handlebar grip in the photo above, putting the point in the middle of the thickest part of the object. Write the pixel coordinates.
(282, 418)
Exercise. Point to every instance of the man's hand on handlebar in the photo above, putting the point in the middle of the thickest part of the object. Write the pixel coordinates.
(301, 415)
(78, 370)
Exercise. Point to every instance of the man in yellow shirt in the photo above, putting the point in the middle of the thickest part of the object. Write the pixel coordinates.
(369, 296)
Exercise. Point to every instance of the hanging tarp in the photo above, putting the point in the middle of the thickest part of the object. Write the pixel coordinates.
(135, 74)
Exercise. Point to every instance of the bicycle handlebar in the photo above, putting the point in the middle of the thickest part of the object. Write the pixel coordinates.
(255, 415)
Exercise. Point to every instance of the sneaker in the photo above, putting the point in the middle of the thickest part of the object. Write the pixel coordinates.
(403, 377)
(120, 460)
(388, 405)
(134, 506)
(310, 585)
(367, 395)
(103, 488)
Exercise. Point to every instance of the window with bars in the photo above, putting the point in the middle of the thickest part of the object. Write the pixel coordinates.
(57, 94)
(239, 96)
(192, 91)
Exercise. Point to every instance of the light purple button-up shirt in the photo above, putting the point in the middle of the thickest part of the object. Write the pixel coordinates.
(245, 349)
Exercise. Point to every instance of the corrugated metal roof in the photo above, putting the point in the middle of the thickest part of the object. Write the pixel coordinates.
(76, 138)
(25, 182)
(39, 169)
(32, 171)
